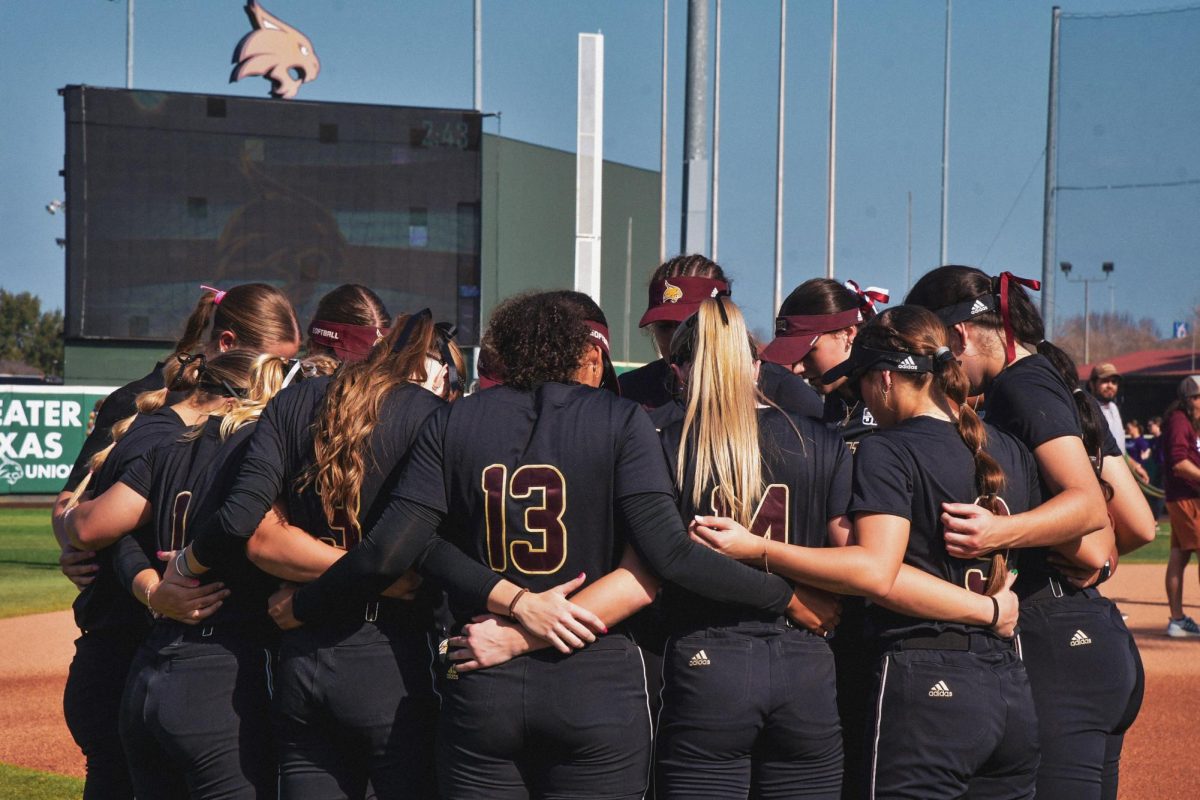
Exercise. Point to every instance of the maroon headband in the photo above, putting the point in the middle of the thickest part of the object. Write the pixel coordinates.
(349, 342)
(795, 336)
(676, 299)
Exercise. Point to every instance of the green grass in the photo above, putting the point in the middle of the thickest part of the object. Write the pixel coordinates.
(30, 581)
(1154, 553)
(29, 784)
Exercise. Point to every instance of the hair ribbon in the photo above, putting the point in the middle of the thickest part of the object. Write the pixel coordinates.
(1010, 348)
(220, 293)
(867, 298)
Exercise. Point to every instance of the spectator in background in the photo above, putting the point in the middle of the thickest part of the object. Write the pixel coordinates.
(1181, 476)
(1136, 445)
(1154, 465)
(1104, 384)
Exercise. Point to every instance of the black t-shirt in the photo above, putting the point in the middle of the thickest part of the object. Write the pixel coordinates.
(851, 422)
(1030, 400)
(653, 385)
(908, 471)
(185, 481)
(807, 472)
(105, 603)
(121, 403)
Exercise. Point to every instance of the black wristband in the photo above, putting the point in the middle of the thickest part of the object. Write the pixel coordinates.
(995, 611)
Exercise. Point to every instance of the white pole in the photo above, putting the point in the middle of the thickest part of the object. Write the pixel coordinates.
(831, 190)
(662, 153)
(946, 141)
(129, 44)
(778, 299)
(716, 163)
(479, 55)
(628, 281)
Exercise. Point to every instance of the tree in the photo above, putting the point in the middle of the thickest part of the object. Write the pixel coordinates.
(29, 335)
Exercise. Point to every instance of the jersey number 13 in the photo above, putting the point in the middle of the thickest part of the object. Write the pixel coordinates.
(547, 488)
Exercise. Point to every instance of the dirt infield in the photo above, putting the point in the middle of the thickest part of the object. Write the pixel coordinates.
(1159, 762)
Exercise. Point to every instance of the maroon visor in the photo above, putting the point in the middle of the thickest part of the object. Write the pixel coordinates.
(676, 299)
(795, 336)
(349, 342)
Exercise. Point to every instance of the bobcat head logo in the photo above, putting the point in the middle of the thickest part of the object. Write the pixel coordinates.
(671, 293)
(10, 471)
(275, 50)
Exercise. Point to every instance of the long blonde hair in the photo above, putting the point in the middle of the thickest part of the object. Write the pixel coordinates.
(720, 423)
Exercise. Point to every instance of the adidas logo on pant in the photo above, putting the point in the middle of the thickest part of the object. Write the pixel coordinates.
(940, 689)
(1079, 638)
(699, 660)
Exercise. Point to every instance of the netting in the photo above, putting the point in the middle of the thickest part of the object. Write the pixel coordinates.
(167, 191)
(1129, 157)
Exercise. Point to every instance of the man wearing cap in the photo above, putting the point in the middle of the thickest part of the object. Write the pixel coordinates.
(1103, 385)
(676, 290)
(1181, 482)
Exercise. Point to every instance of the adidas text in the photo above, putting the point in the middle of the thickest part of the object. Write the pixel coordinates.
(907, 363)
(1079, 638)
(978, 308)
(940, 689)
(699, 660)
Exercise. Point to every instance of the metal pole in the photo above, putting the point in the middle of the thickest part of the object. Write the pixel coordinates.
(908, 271)
(1195, 319)
(479, 55)
(1087, 322)
(1051, 178)
(779, 161)
(945, 141)
(628, 280)
(129, 44)
(662, 153)
(694, 233)
(1112, 301)
(716, 160)
(831, 189)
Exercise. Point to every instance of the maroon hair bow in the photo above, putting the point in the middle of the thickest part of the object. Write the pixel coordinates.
(1010, 347)
(867, 298)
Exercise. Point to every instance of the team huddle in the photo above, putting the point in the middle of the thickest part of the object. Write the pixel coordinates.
(860, 560)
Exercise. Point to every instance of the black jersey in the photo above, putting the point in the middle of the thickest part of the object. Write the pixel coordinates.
(807, 473)
(186, 480)
(105, 602)
(654, 385)
(908, 471)
(402, 413)
(851, 422)
(121, 403)
(1030, 400)
(279, 449)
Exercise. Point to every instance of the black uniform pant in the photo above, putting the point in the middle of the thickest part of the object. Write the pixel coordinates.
(855, 660)
(355, 711)
(749, 710)
(548, 726)
(954, 723)
(92, 703)
(1087, 682)
(196, 714)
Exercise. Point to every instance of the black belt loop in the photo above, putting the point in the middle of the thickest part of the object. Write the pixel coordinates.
(372, 612)
(1055, 587)
(206, 631)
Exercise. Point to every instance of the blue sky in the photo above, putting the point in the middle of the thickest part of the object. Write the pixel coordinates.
(889, 123)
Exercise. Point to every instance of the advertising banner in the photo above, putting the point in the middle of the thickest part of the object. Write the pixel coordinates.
(42, 429)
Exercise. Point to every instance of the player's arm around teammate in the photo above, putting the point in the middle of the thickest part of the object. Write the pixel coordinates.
(1081, 659)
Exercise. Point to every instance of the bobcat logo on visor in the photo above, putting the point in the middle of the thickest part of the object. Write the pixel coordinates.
(671, 293)
(276, 51)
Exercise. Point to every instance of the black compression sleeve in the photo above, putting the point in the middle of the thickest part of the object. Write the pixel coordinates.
(462, 576)
(128, 560)
(658, 535)
(385, 553)
(260, 479)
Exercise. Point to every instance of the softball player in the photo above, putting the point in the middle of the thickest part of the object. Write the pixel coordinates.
(748, 701)
(219, 743)
(676, 291)
(814, 330)
(1082, 662)
(540, 478)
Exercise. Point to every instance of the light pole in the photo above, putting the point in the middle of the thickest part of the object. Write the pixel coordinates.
(1107, 269)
